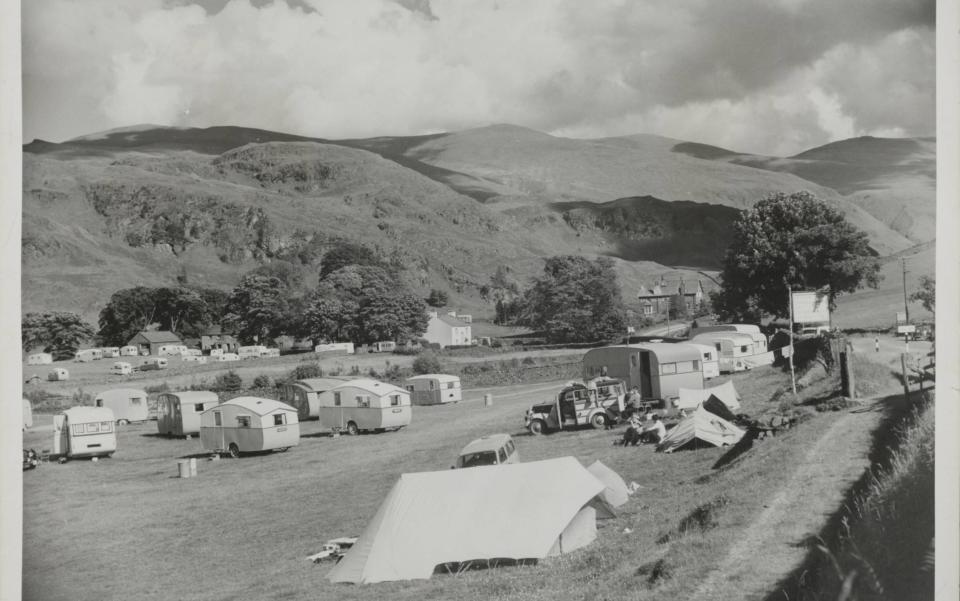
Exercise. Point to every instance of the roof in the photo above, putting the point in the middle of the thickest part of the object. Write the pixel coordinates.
(157, 337)
(260, 406)
(485, 443)
(89, 414)
(506, 511)
(664, 351)
(374, 386)
(319, 384)
(194, 396)
(743, 328)
(453, 321)
(122, 392)
(670, 288)
(440, 377)
(704, 347)
(737, 337)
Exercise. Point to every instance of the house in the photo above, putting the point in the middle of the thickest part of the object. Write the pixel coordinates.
(447, 329)
(214, 338)
(656, 300)
(158, 342)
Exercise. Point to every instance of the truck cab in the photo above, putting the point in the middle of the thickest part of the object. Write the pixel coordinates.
(597, 403)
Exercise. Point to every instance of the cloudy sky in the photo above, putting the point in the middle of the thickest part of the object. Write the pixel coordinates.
(765, 76)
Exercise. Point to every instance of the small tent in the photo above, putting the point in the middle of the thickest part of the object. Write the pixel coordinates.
(616, 492)
(701, 426)
(514, 511)
(719, 408)
(691, 398)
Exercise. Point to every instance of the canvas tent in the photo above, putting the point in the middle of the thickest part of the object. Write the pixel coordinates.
(702, 426)
(514, 511)
(691, 398)
(616, 492)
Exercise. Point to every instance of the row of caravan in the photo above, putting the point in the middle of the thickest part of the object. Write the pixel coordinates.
(660, 369)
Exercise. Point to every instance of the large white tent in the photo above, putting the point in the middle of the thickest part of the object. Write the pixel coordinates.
(703, 426)
(616, 492)
(691, 398)
(515, 511)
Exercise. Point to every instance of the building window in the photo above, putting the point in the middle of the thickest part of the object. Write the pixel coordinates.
(648, 309)
(395, 400)
(279, 419)
(336, 399)
(243, 421)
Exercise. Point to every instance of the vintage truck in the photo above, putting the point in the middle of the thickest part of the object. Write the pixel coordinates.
(597, 402)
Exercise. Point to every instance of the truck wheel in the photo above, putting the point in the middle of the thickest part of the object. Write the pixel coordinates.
(234, 450)
(536, 427)
(352, 429)
(598, 421)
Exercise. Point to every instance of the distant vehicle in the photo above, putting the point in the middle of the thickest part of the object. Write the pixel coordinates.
(90, 354)
(814, 330)
(251, 352)
(333, 549)
(596, 403)
(128, 404)
(58, 375)
(434, 389)
(193, 358)
(128, 351)
(495, 449)
(121, 368)
(226, 357)
(384, 346)
(153, 363)
(84, 432)
(110, 352)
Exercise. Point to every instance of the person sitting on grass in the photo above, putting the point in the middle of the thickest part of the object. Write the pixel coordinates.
(632, 434)
(654, 430)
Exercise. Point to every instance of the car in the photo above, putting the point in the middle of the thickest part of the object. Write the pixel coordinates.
(596, 403)
(814, 330)
(333, 549)
(495, 449)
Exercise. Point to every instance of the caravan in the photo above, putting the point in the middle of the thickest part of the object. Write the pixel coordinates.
(84, 432)
(178, 413)
(434, 389)
(129, 351)
(366, 405)
(306, 395)
(249, 424)
(87, 355)
(128, 404)
(658, 369)
(710, 360)
(734, 348)
(58, 374)
(40, 359)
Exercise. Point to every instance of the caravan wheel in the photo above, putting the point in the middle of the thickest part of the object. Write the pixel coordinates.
(352, 429)
(234, 450)
(122, 422)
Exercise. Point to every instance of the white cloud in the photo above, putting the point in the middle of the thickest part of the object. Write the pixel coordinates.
(750, 75)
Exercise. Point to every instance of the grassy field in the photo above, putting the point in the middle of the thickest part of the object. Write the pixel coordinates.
(126, 527)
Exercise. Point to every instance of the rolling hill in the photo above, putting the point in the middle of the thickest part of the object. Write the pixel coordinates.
(146, 204)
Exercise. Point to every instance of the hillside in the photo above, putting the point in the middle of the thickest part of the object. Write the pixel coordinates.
(893, 179)
(146, 204)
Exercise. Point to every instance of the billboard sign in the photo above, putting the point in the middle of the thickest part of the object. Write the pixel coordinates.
(811, 307)
(901, 317)
(906, 329)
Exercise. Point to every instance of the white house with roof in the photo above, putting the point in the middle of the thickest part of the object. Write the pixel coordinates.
(447, 329)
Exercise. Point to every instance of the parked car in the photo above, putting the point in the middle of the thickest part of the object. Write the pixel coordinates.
(333, 549)
(495, 449)
(598, 403)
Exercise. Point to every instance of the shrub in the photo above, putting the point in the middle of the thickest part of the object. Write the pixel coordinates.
(262, 381)
(227, 382)
(354, 370)
(157, 388)
(82, 398)
(306, 370)
(407, 350)
(427, 363)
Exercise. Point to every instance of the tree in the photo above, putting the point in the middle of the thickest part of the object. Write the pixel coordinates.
(186, 310)
(56, 332)
(576, 300)
(427, 363)
(345, 253)
(437, 298)
(927, 295)
(364, 304)
(257, 308)
(678, 307)
(796, 240)
(128, 312)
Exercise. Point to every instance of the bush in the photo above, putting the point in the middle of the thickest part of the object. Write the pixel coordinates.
(427, 363)
(306, 370)
(407, 350)
(157, 388)
(228, 382)
(262, 381)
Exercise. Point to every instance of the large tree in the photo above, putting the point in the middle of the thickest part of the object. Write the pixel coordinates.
(794, 240)
(182, 309)
(575, 300)
(259, 308)
(363, 304)
(54, 332)
(927, 295)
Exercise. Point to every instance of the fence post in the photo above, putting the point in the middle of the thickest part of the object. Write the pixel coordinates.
(906, 381)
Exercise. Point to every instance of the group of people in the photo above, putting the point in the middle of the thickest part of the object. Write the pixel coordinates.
(643, 426)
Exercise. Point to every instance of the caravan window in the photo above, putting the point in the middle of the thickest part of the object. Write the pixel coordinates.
(363, 401)
(106, 426)
(99, 402)
(336, 399)
(502, 454)
(744, 349)
(451, 385)
(217, 418)
(718, 347)
(136, 400)
(685, 367)
(394, 400)
(634, 360)
(432, 384)
(668, 368)
(198, 407)
(78, 429)
(243, 421)
(93, 428)
(279, 419)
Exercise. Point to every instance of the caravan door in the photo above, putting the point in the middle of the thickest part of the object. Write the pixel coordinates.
(646, 378)
(61, 443)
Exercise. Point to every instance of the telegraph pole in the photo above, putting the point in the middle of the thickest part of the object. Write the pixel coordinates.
(906, 307)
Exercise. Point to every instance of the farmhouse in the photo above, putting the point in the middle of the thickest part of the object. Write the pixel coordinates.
(655, 300)
(214, 338)
(447, 329)
(156, 342)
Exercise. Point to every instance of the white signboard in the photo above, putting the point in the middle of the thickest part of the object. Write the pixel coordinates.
(906, 329)
(811, 307)
(901, 317)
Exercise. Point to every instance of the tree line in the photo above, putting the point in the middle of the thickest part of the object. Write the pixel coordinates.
(784, 240)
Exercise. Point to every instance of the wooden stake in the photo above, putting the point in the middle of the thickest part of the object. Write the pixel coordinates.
(793, 375)
(906, 381)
